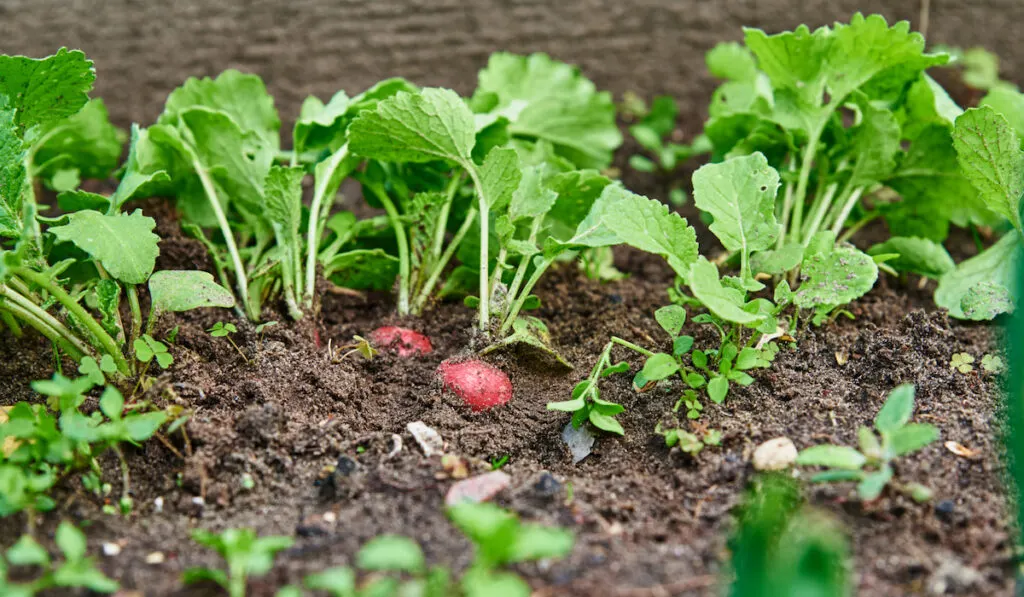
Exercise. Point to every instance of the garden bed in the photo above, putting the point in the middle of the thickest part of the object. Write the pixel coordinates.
(650, 521)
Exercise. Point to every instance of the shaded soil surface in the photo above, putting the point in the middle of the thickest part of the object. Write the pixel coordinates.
(649, 521)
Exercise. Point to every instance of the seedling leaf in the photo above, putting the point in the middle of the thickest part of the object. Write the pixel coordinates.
(897, 410)
(124, 244)
(841, 457)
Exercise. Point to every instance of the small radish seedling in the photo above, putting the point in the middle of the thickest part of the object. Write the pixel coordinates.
(246, 555)
(77, 571)
(871, 466)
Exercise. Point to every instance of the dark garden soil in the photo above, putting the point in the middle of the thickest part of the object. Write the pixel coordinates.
(649, 521)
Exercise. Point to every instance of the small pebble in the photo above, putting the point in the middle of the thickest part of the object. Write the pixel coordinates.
(477, 489)
(345, 466)
(428, 439)
(547, 485)
(111, 549)
(158, 505)
(774, 455)
(330, 517)
(155, 558)
(945, 509)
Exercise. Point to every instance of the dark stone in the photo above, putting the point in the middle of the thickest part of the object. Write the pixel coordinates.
(945, 509)
(547, 485)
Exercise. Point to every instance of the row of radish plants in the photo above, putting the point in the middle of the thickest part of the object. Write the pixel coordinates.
(811, 136)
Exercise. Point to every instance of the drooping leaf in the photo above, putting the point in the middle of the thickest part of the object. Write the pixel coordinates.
(184, 290)
(997, 265)
(916, 255)
(124, 244)
(725, 302)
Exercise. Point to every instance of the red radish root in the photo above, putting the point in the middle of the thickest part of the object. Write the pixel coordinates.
(480, 385)
(405, 342)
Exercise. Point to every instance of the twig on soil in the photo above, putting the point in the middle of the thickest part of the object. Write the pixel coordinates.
(167, 444)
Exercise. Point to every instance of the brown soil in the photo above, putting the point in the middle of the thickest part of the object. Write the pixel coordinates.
(649, 521)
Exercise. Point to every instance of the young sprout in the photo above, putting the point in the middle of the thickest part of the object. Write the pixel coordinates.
(246, 555)
(224, 330)
(871, 466)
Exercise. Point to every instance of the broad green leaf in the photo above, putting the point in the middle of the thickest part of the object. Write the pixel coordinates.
(990, 157)
(1009, 103)
(648, 225)
(500, 177)
(730, 60)
(911, 438)
(985, 301)
(997, 264)
(184, 290)
(671, 319)
(46, 90)
(338, 581)
(725, 302)
(577, 192)
(86, 143)
(897, 410)
(370, 269)
(433, 124)
(718, 388)
(124, 244)
(872, 485)
(544, 99)
(391, 552)
(867, 46)
(659, 366)
(777, 261)
(484, 582)
(13, 177)
(71, 541)
(321, 127)
(27, 552)
(144, 173)
(874, 146)
(916, 255)
(532, 198)
(740, 195)
(605, 423)
(841, 457)
(240, 96)
(793, 60)
(834, 278)
(112, 403)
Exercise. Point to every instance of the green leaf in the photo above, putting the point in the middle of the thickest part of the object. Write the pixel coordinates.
(46, 90)
(535, 542)
(391, 552)
(841, 457)
(85, 144)
(985, 301)
(370, 269)
(868, 442)
(13, 176)
(606, 423)
(834, 278)
(184, 290)
(793, 60)
(1009, 103)
(648, 225)
(242, 97)
(500, 176)
(112, 403)
(730, 60)
(916, 255)
(872, 485)
(873, 146)
(532, 198)
(897, 410)
(718, 388)
(997, 264)
(990, 157)
(27, 552)
(71, 541)
(547, 100)
(837, 475)
(338, 581)
(777, 261)
(142, 427)
(124, 244)
(725, 302)
(659, 366)
(434, 124)
(671, 319)
(911, 438)
(144, 173)
(740, 195)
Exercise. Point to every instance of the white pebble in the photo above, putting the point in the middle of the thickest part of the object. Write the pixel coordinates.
(155, 558)
(775, 454)
(429, 439)
(111, 549)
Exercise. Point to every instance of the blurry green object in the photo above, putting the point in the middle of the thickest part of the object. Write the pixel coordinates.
(781, 547)
(1015, 400)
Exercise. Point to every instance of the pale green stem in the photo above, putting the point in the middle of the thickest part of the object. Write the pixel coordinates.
(133, 304)
(818, 213)
(449, 252)
(837, 227)
(43, 322)
(631, 346)
(867, 219)
(524, 264)
(517, 306)
(403, 248)
(313, 234)
(241, 282)
(805, 174)
(442, 219)
(106, 342)
(485, 294)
